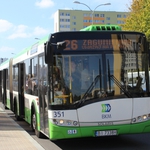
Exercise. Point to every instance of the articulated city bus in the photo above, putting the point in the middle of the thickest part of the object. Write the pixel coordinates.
(77, 84)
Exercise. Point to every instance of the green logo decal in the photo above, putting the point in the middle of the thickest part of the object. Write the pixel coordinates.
(106, 107)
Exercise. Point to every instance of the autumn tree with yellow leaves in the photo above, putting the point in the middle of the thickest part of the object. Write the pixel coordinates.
(139, 17)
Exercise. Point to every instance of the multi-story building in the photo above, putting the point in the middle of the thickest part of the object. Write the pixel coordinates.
(74, 20)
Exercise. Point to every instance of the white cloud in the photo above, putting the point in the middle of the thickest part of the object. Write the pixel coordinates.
(20, 32)
(23, 31)
(5, 25)
(21, 28)
(6, 49)
(40, 31)
(45, 3)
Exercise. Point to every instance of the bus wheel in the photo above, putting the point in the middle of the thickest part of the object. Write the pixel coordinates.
(34, 124)
(33, 121)
(15, 112)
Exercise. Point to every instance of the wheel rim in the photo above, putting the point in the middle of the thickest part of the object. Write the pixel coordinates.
(34, 121)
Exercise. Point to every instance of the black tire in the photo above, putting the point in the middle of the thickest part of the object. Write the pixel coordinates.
(6, 108)
(34, 124)
(33, 120)
(15, 112)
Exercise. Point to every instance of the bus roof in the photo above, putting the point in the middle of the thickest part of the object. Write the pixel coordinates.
(102, 27)
(41, 41)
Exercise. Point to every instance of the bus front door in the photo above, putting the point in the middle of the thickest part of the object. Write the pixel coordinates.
(42, 73)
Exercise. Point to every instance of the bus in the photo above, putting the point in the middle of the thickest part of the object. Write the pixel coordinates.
(76, 84)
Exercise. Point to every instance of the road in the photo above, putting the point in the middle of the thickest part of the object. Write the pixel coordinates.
(123, 142)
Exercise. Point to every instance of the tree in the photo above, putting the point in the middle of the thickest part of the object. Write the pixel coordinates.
(138, 18)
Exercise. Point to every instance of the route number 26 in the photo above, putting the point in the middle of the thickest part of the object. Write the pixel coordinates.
(71, 45)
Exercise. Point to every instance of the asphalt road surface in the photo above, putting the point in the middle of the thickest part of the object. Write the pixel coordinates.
(123, 142)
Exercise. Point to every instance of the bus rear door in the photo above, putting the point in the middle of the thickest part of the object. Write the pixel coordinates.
(4, 95)
(21, 73)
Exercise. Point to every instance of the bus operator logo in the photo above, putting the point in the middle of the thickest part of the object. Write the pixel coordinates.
(106, 107)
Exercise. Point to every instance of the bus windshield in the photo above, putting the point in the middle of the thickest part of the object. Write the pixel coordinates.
(91, 70)
(80, 77)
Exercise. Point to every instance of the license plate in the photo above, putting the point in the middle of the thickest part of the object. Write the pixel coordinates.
(106, 133)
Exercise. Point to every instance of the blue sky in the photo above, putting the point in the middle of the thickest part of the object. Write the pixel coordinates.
(21, 21)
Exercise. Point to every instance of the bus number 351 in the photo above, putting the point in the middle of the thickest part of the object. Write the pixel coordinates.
(58, 114)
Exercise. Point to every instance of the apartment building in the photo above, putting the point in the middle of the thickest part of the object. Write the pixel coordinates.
(74, 20)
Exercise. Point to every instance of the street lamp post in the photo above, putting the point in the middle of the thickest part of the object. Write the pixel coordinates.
(37, 39)
(77, 2)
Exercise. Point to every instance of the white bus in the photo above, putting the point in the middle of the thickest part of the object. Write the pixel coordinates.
(79, 88)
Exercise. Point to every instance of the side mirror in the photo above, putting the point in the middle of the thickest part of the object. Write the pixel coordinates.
(48, 50)
(61, 45)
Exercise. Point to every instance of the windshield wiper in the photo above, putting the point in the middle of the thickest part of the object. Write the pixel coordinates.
(112, 77)
(88, 91)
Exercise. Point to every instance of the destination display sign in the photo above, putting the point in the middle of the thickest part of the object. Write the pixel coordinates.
(89, 44)
(113, 43)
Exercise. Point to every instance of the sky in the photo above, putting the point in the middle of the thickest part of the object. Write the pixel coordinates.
(21, 21)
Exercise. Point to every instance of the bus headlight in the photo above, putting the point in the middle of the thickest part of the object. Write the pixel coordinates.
(141, 118)
(144, 117)
(61, 122)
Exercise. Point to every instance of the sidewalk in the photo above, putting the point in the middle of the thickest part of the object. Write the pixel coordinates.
(14, 137)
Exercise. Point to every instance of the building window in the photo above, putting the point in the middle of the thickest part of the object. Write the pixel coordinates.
(67, 14)
(118, 16)
(61, 26)
(96, 15)
(67, 20)
(108, 18)
(84, 26)
(61, 20)
(85, 21)
(101, 21)
(74, 23)
(62, 14)
(67, 26)
(102, 15)
(90, 15)
(74, 29)
(74, 17)
(124, 16)
(119, 22)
